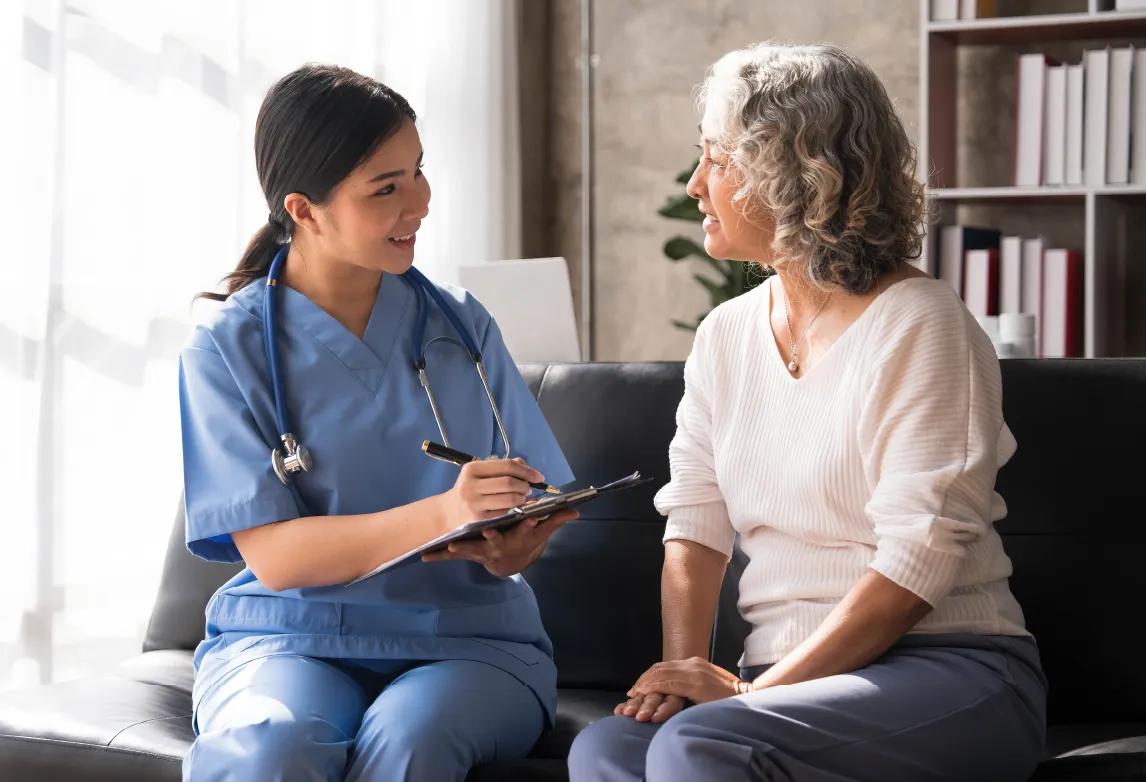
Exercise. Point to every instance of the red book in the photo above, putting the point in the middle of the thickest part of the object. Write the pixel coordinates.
(1061, 317)
(981, 282)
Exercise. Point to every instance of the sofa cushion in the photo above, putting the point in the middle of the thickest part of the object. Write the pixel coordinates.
(1089, 738)
(1093, 768)
(135, 724)
(48, 760)
(576, 710)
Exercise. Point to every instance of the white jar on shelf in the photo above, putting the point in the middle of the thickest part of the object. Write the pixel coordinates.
(1017, 329)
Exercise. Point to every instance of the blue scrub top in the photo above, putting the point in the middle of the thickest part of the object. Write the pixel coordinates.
(358, 406)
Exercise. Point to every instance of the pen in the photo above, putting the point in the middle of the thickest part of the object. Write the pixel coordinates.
(446, 454)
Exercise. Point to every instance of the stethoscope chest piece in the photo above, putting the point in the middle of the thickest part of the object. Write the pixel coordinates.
(297, 458)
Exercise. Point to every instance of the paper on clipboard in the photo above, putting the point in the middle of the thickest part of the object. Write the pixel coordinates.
(545, 506)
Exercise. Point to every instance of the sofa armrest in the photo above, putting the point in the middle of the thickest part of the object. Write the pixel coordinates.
(134, 723)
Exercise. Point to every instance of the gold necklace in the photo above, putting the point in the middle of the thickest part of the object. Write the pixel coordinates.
(794, 363)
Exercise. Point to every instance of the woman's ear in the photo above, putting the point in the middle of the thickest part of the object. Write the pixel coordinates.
(302, 212)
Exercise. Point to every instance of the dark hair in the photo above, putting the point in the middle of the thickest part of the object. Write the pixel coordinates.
(316, 125)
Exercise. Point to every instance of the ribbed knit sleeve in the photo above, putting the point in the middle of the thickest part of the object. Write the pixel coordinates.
(691, 499)
(929, 436)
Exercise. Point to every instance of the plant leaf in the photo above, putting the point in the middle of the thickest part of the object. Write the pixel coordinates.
(680, 247)
(717, 291)
(681, 207)
(683, 177)
(724, 268)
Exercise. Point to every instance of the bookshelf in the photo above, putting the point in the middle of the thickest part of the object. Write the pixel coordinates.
(1106, 222)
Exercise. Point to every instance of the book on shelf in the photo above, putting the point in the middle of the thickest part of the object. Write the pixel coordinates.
(1072, 171)
(1029, 122)
(976, 9)
(1032, 296)
(981, 282)
(1054, 126)
(1118, 117)
(1130, 5)
(944, 10)
(1094, 120)
(1011, 274)
(954, 242)
(1138, 119)
(1062, 303)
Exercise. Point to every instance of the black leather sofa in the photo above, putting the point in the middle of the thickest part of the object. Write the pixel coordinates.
(1076, 532)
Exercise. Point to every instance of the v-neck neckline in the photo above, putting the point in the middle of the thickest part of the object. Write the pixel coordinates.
(774, 339)
(369, 354)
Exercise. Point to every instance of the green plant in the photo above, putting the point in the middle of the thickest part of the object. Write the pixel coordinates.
(735, 277)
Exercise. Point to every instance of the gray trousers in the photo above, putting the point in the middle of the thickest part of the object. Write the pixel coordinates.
(954, 707)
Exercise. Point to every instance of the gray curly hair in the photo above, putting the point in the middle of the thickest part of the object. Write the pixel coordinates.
(812, 137)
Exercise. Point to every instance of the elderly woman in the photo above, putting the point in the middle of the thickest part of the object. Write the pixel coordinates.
(844, 420)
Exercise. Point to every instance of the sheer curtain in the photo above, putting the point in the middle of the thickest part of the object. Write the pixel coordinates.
(130, 185)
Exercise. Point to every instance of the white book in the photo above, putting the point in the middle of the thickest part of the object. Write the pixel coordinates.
(944, 10)
(1061, 314)
(1118, 117)
(1130, 5)
(981, 284)
(1094, 121)
(1075, 75)
(1011, 274)
(1029, 124)
(1032, 298)
(1138, 120)
(1054, 126)
(951, 256)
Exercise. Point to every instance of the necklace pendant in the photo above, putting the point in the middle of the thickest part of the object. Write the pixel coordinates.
(793, 366)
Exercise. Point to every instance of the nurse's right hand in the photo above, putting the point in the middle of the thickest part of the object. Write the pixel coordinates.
(488, 488)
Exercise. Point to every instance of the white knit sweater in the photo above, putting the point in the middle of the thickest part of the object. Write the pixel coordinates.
(882, 456)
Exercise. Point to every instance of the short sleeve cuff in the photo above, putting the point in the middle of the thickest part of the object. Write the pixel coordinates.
(209, 529)
(926, 572)
(706, 524)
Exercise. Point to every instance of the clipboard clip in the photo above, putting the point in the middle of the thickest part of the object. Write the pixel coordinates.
(556, 502)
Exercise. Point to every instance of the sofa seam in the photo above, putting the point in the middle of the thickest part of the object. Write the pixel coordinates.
(89, 745)
(541, 385)
(145, 722)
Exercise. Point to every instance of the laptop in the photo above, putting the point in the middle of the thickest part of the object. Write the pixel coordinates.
(532, 303)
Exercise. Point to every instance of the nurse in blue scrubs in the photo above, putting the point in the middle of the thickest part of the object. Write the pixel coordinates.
(422, 671)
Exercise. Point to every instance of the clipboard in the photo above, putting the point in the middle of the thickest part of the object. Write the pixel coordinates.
(546, 506)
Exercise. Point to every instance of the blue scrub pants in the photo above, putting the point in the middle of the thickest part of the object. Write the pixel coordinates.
(291, 717)
(941, 707)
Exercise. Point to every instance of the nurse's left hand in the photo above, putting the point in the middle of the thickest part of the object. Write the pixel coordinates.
(504, 554)
(695, 679)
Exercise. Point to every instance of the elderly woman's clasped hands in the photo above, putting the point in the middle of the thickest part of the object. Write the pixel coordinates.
(664, 689)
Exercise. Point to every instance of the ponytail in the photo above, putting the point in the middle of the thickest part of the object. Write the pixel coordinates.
(315, 126)
(255, 263)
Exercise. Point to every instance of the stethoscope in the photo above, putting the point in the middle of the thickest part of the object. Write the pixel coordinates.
(293, 456)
